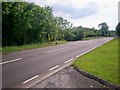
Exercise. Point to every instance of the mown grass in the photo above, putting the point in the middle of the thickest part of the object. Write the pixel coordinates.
(101, 62)
(11, 49)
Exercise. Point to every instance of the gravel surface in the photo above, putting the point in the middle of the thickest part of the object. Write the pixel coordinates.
(69, 78)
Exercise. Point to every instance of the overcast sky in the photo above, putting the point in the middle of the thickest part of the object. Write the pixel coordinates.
(86, 13)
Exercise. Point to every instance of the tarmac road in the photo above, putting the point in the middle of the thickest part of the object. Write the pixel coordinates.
(24, 66)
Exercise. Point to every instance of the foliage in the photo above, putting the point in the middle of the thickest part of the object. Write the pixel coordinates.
(118, 29)
(79, 33)
(104, 28)
(25, 23)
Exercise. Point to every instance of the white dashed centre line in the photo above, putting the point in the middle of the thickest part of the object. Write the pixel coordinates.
(54, 67)
(31, 79)
(69, 60)
(91, 86)
(56, 50)
(14, 60)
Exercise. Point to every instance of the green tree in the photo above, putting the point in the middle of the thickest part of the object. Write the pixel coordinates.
(104, 28)
(69, 36)
(25, 23)
(118, 29)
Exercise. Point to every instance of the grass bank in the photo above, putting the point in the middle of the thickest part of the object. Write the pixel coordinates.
(11, 49)
(101, 62)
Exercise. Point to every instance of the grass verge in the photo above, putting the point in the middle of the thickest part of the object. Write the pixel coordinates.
(11, 49)
(101, 62)
(90, 38)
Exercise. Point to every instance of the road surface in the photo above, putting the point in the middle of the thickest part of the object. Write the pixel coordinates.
(24, 66)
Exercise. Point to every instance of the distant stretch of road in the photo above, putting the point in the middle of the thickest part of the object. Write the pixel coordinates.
(24, 66)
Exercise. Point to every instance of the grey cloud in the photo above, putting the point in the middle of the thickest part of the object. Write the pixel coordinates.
(77, 13)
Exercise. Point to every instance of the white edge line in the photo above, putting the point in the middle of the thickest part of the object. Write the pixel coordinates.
(91, 49)
(30, 79)
(69, 60)
(87, 51)
(54, 67)
(11, 61)
(77, 56)
(56, 50)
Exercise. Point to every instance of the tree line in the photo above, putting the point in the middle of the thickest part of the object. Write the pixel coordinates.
(26, 23)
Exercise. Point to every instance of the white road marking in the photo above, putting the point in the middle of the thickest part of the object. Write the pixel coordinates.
(54, 67)
(56, 50)
(91, 86)
(86, 51)
(30, 79)
(78, 56)
(69, 60)
(14, 60)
